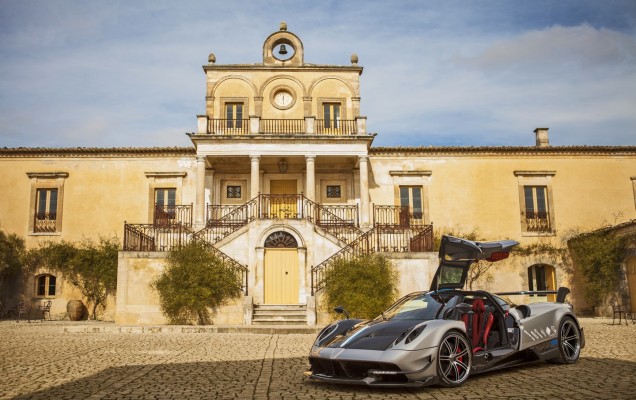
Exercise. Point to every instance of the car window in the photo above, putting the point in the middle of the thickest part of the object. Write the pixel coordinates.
(421, 307)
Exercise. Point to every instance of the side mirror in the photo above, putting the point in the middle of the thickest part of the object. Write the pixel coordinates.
(341, 310)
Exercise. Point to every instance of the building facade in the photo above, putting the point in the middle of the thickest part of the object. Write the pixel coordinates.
(282, 179)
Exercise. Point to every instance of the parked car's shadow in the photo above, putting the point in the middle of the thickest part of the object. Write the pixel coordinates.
(240, 379)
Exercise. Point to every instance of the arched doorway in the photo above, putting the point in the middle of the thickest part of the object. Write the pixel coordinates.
(631, 281)
(281, 269)
(542, 277)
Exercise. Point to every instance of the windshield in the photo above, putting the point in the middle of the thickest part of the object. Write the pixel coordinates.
(420, 306)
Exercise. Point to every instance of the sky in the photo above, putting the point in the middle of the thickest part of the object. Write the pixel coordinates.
(436, 73)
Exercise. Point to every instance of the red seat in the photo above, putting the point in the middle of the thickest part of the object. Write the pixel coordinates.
(478, 324)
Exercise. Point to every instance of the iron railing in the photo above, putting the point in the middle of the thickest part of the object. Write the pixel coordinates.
(337, 127)
(222, 126)
(339, 220)
(147, 237)
(282, 126)
(45, 222)
(150, 237)
(538, 222)
(401, 216)
(377, 239)
(165, 215)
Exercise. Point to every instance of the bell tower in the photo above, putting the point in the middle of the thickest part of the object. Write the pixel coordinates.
(283, 48)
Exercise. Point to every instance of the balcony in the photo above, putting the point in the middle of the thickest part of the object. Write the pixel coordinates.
(168, 215)
(45, 222)
(538, 221)
(260, 126)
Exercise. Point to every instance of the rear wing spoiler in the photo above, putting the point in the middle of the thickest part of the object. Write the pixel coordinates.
(560, 298)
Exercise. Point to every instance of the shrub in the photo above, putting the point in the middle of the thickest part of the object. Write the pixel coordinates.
(365, 286)
(598, 257)
(194, 282)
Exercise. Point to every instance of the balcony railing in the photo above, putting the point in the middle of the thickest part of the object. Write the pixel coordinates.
(538, 222)
(45, 222)
(265, 126)
(339, 220)
(340, 127)
(229, 126)
(172, 215)
(282, 126)
(389, 216)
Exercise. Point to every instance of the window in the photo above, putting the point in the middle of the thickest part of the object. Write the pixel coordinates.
(535, 200)
(45, 285)
(46, 204)
(165, 197)
(234, 115)
(334, 192)
(233, 192)
(411, 200)
(331, 115)
(45, 210)
(165, 206)
(536, 209)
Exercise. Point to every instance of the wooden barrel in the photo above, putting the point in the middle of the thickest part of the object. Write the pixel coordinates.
(75, 310)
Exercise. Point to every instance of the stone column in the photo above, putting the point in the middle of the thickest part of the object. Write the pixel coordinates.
(255, 176)
(364, 190)
(310, 190)
(199, 215)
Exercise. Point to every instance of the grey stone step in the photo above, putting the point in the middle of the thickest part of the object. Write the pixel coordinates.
(280, 307)
(280, 312)
(270, 321)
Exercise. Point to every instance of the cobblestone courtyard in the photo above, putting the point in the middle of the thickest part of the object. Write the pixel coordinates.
(40, 361)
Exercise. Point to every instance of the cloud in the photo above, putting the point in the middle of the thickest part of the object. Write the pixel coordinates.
(439, 72)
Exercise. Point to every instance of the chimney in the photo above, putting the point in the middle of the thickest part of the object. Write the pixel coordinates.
(542, 137)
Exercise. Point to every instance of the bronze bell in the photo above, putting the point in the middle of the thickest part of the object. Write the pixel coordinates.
(283, 49)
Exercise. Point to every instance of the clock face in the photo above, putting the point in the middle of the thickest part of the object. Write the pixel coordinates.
(283, 99)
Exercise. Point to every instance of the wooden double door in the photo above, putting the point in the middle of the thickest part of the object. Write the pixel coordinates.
(284, 199)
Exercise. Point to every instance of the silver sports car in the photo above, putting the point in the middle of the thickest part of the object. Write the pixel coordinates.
(444, 335)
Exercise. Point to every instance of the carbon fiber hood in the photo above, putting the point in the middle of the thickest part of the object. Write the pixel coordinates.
(372, 335)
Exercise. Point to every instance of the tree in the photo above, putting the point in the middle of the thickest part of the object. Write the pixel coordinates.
(88, 266)
(93, 271)
(194, 282)
(365, 286)
(12, 257)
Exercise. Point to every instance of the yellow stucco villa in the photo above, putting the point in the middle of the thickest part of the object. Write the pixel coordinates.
(282, 176)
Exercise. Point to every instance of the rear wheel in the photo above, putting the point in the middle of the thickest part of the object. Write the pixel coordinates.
(454, 359)
(569, 342)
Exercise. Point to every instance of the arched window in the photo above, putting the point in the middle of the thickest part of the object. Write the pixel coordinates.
(281, 239)
(45, 285)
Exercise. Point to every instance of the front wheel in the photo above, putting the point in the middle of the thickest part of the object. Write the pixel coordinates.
(569, 342)
(454, 359)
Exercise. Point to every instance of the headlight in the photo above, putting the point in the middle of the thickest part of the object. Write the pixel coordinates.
(410, 336)
(414, 333)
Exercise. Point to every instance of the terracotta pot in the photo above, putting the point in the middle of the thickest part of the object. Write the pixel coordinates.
(76, 310)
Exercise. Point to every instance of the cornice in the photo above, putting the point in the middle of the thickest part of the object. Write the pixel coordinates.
(96, 151)
(263, 67)
(505, 150)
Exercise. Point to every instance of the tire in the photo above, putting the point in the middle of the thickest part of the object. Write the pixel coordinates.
(454, 359)
(569, 342)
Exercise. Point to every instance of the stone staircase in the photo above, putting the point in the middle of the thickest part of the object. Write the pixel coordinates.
(279, 314)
